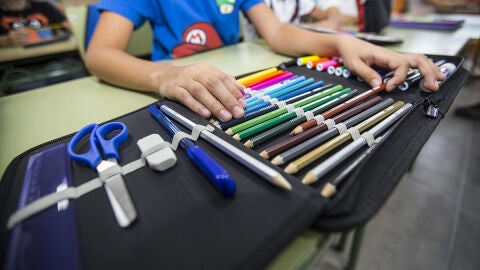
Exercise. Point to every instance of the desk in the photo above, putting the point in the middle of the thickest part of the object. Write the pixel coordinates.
(30, 118)
(33, 117)
(21, 53)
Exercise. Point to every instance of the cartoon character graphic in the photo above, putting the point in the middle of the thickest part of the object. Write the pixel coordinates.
(226, 6)
(196, 38)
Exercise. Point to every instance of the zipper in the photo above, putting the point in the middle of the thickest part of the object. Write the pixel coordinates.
(347, 184)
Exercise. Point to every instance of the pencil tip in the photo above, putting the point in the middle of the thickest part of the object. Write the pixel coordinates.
(291, 168)
(280, 181)
(215, 123)
(309, 178)
(278, 160)
(248, 144)
(264, 154)
(229, 132)
(328, 190)
(296, 131)
(236, 137)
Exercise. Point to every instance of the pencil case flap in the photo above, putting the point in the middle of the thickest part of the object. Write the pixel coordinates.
(368, 187)
(179, 212)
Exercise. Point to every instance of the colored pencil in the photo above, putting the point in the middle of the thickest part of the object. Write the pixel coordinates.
(325, 148)
(295, 140)
(314, 141)
(217, 175)
(290, 114)
(313, 122)
(314, 174)
(271, 133)
(277, 105)
(280, 111)
(261, 169)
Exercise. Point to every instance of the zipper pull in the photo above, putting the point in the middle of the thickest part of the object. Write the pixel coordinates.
(431, 110)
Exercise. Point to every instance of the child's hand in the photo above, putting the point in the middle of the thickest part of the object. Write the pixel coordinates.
(18, 37)
(359, 56)
(203, 89)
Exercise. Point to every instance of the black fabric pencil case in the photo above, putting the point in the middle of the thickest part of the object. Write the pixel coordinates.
(368, 186)
(184, 223)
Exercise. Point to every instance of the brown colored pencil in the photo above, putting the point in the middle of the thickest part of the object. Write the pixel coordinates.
(312, 122)
(295, 140)
(325, 148)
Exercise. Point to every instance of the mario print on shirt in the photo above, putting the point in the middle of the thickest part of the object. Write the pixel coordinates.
(196, 38)
(226, 6)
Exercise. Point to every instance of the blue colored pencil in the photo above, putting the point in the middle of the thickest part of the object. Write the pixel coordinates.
(217, 175)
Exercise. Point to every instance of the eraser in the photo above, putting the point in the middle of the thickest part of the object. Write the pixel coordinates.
(158, 158)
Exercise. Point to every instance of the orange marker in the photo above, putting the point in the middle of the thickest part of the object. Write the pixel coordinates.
(264, 77)
(313, 63)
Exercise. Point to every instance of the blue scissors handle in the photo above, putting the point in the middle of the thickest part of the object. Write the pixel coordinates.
(110, 146)
(98, 139)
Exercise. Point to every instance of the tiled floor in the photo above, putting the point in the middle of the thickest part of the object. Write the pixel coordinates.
(432, 220)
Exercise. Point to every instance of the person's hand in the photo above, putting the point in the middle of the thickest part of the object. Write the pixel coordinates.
(359, 56)
(18, 37)
(203, 89)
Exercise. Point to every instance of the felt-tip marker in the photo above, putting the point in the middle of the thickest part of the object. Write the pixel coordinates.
(217, 175)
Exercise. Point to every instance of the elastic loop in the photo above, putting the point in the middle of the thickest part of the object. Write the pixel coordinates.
(330, 123)
(354, 133)
(369, 138)
(342, 128)
(298, 111)
(320, 119)
(309, 115)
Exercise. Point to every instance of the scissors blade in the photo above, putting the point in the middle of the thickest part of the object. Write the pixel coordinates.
(118, 196)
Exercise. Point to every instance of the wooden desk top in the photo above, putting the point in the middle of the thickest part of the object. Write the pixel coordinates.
(19, 53)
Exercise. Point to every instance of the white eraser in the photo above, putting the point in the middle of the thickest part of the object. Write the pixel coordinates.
(158, 158)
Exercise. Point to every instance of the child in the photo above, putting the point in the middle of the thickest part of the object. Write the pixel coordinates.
(19, 17)
(292, 11)
(184, 27)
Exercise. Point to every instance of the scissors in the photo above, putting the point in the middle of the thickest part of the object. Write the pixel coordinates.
(109, 170)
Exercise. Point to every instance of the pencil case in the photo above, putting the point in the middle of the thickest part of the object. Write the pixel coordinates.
(183, 222)
(365, 189)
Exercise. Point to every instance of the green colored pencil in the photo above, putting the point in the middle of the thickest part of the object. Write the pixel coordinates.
(287, 116)
(257, 120)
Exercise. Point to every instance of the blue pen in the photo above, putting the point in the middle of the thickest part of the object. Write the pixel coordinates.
(217, 175)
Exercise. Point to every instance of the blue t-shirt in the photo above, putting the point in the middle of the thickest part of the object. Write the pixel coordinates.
(182, 28)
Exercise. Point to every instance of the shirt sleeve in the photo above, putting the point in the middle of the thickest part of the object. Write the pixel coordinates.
(306, 7)
(134, 11)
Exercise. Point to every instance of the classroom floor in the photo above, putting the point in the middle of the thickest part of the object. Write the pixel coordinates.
(432, 220)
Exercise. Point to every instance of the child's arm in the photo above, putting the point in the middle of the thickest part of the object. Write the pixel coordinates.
(357, 55)
(200, 87)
